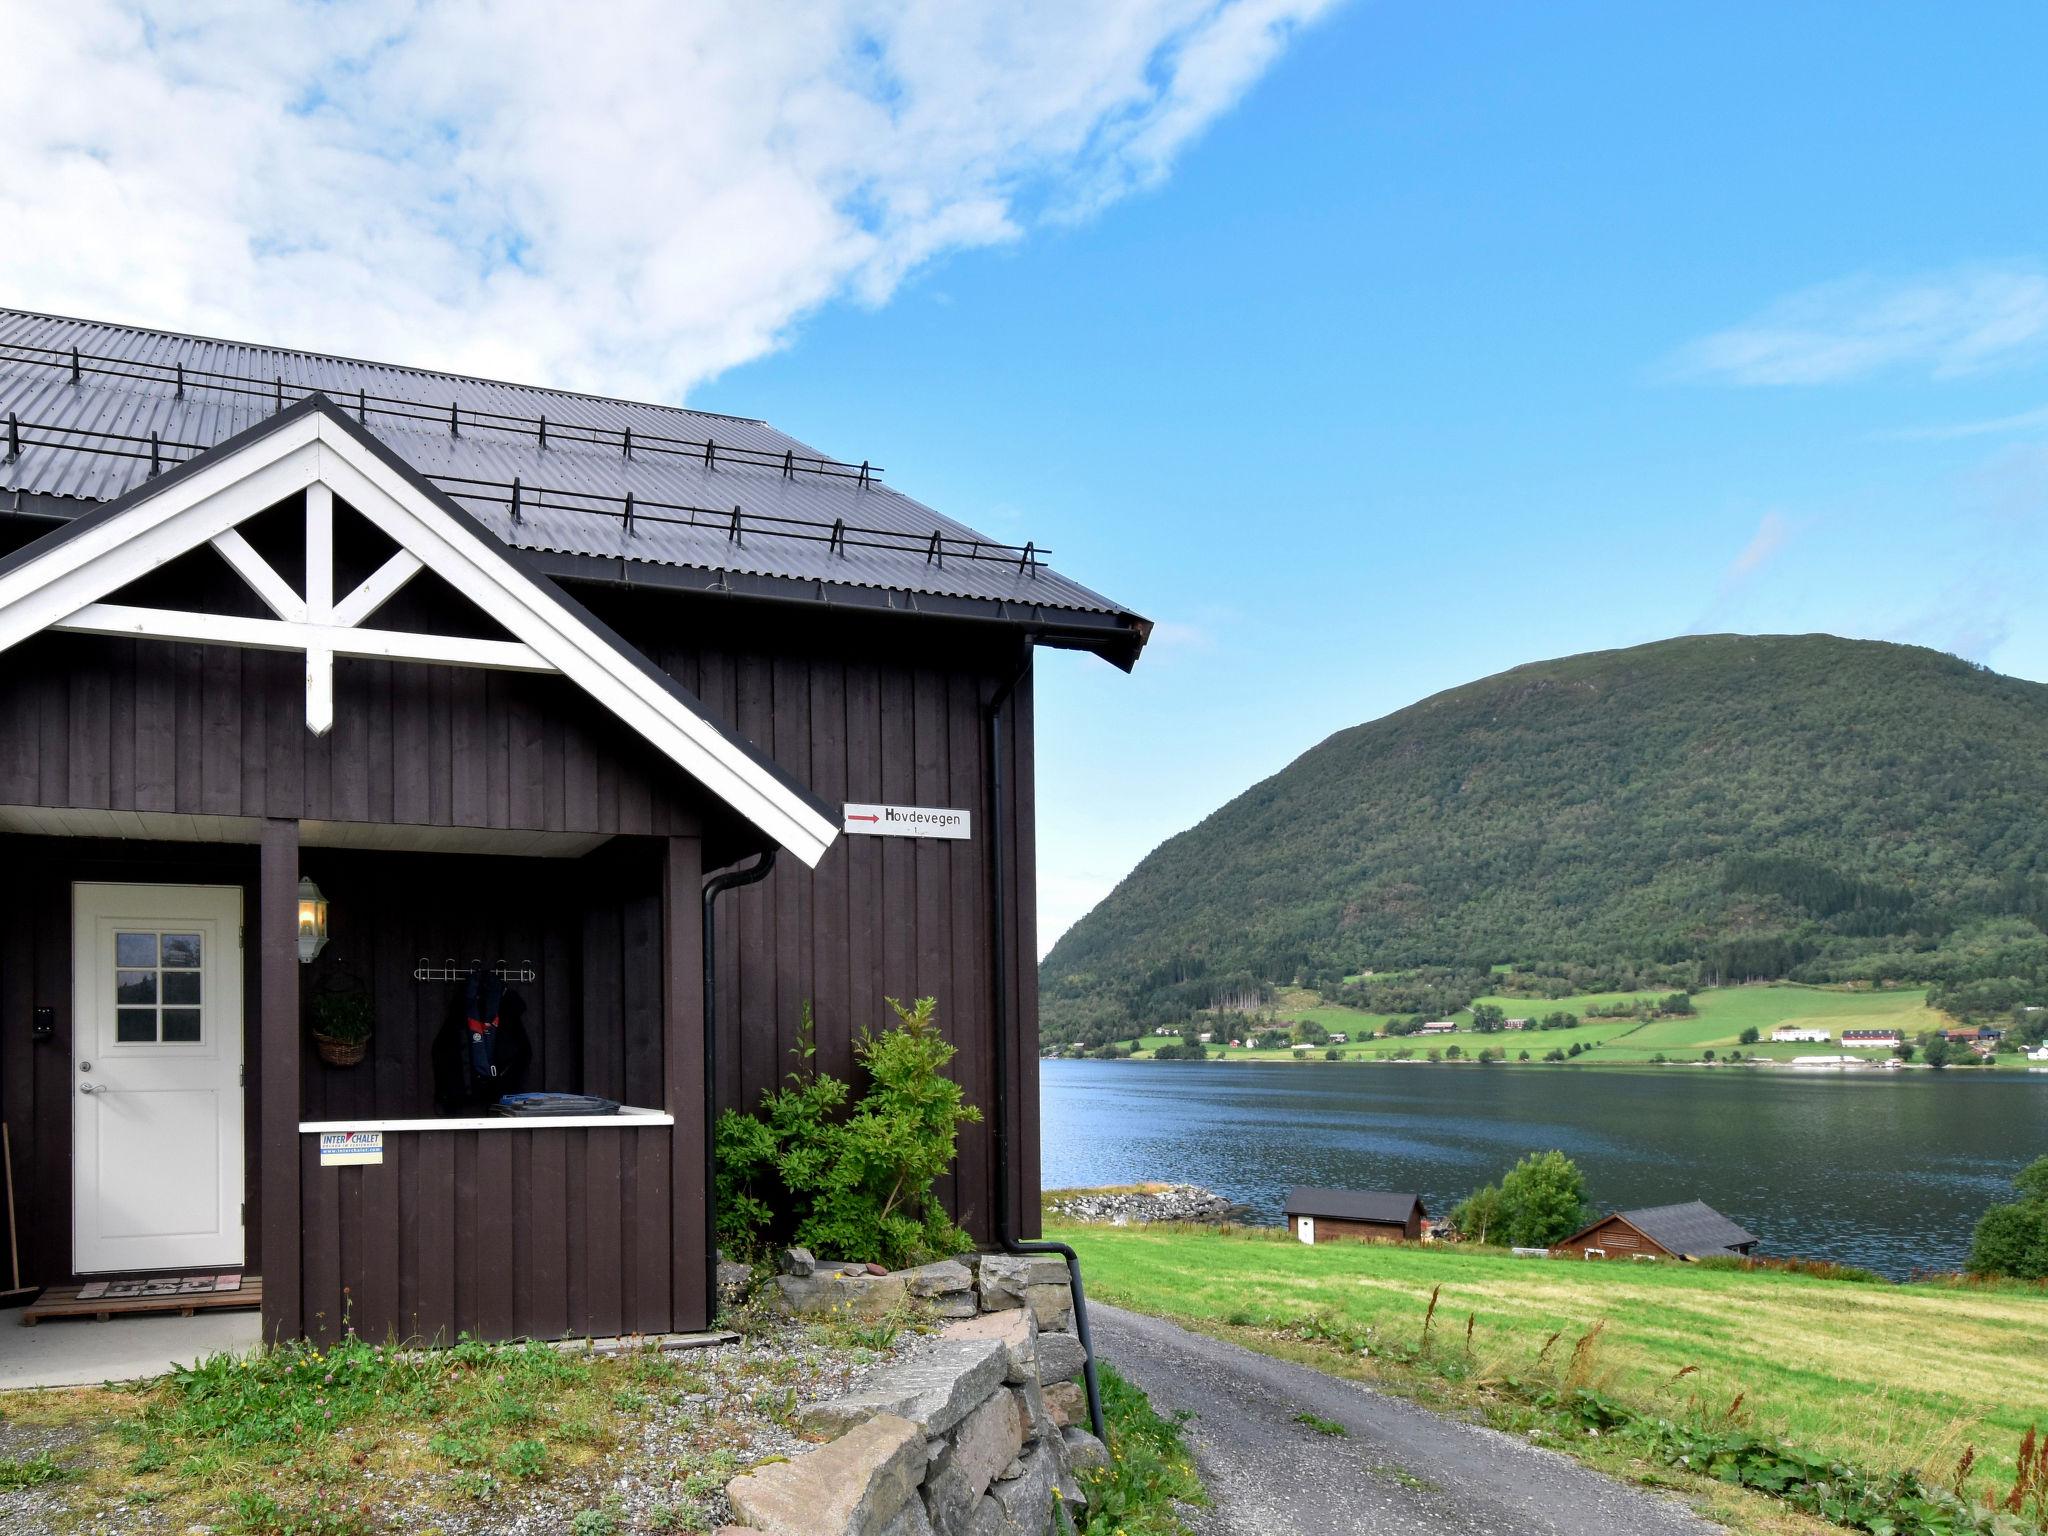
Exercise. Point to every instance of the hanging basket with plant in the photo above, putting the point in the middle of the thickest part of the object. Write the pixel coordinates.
(342, 1025)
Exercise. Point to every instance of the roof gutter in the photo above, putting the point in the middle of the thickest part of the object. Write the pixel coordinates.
(1007, 1030)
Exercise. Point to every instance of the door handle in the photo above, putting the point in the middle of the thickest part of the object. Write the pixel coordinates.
(90, 1088)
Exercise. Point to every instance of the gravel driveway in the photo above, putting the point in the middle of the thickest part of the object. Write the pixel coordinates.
(1398, 1469)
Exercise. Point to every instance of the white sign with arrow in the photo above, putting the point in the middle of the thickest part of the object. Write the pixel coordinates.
(907, 821)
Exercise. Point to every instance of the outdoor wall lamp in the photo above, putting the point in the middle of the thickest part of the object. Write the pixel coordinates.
(312, 920)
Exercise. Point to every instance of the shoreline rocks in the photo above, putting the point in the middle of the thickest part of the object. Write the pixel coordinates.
(1166, 1202)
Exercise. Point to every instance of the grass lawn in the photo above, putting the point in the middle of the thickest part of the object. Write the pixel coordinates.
(1889, 1377)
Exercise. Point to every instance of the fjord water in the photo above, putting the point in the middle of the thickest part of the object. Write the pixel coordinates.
(1886, 1171)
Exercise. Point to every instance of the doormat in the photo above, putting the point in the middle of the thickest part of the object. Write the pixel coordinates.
(131, 1290)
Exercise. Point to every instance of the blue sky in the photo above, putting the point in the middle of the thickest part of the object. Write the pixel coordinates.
(1368, 347)
(1480, 334)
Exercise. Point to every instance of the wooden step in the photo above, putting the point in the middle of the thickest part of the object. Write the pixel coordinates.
(65, 1301)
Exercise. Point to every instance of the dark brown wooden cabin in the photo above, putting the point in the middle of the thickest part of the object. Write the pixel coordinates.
(1689, 1230)
(517, 679)
(1354, 1215)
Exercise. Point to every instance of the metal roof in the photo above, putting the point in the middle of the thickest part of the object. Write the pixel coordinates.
(1690, 1228)
(93, 424)
(1352, 1204)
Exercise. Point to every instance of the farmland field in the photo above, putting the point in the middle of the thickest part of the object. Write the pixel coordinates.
(1887, 1376)
(1723, 1013)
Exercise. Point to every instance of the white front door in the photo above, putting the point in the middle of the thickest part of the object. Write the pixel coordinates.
(1305, 1228)
(157, 1072)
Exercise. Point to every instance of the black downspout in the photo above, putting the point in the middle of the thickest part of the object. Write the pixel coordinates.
(1005, 1030)
(715, 887)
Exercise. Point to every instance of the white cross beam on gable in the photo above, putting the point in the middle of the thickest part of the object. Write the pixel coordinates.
(314, 624)
(65, 582)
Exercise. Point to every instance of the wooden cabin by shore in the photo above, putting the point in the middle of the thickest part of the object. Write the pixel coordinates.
(1690, 1230)
(1355, 1215)
(328, 678)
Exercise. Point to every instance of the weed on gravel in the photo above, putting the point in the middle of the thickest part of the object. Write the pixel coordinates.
(358, 1439)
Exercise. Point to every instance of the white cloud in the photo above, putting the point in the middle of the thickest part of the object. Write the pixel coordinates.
(633, 197)
(1765, 543)
(1946, 324)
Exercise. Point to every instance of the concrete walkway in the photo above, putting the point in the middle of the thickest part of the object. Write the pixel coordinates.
(81, 1352)
(1399, 1469)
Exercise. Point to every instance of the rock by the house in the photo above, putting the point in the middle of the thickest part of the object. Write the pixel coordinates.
(1060, 1357)
(1016, 1330)
(799, 1262)
(1005, 1277)
(854, 1292)
(937, 1279)
(1052, 1305)
(1066, 1402)
(1084, 1451)
(1031, 1409)
(988, 1515)
(947, 1287)
(987, 1440)
(856, 1486)
(910, 1521)
(935, 1388)
(1024, 1501)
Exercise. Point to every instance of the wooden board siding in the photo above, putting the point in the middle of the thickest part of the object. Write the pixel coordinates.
(1616, 1238)
(1331, 1229)
(859, 709)
(500, 1234)
(147, 725)
(873, 715)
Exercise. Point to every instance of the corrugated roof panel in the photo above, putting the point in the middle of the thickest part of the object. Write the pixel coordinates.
(137, 396)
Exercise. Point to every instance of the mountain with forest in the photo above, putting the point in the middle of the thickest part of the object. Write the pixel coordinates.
(1701, 810)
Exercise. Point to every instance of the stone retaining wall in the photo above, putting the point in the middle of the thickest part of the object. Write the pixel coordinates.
(978, 1431)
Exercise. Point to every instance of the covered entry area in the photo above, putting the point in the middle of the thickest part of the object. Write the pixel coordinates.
(152, 1142)
(474, 773)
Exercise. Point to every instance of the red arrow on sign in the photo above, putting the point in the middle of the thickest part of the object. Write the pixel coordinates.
(863, 818)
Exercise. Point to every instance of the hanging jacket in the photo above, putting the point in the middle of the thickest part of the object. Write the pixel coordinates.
(478, 1060)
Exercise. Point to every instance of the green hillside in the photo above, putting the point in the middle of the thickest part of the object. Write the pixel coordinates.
(1709, 809)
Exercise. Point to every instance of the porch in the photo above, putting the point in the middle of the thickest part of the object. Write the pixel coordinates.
(462, 1221)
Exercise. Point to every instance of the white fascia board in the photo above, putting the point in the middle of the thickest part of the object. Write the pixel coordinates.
(586, 658)
(102, 559)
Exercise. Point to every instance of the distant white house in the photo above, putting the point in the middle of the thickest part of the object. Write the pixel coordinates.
(1515, 1024)
(1795, 1034)
(2039, 1052)
(1439, 1027)
(1340, 1038)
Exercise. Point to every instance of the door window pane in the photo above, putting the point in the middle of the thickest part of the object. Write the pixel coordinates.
(157, 988)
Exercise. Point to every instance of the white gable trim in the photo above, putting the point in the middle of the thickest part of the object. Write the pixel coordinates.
(65, 586)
